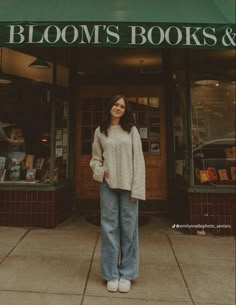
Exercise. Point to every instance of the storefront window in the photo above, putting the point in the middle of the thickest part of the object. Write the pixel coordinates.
(213, 125)
(180, 134)
(25, 134)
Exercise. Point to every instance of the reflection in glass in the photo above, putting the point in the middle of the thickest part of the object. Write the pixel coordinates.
(155, 132)
(143, 107)
(86, 133)
(213, 133)
(97, 118)
(86, 118)
(155, 147)
(86, 105)
(143, 132)
(98, 104)
(155, 118)
(132, 100)
(143, 118)
(154, 102)
(143, 100)
(86, 148)
(145, 147)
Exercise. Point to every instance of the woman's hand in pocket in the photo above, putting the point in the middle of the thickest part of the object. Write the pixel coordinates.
(106, 174)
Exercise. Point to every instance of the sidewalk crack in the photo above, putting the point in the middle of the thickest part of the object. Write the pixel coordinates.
(181, 271)
(90, 267)
(13, 248)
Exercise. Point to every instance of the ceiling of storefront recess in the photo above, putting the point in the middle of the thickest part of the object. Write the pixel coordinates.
(105, 63)
(117, 63)
(133, 62)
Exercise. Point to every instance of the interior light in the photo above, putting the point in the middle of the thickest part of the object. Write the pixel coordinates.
(39, 63)
(207, 80)
(81, 73)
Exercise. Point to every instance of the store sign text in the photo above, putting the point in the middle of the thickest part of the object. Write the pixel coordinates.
(131, 35)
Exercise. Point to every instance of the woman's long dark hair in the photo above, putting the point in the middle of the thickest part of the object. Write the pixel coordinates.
(126, 121)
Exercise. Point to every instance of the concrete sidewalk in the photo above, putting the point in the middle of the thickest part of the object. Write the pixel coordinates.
(61, 267)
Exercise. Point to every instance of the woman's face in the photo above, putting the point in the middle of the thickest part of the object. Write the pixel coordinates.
(118, 109)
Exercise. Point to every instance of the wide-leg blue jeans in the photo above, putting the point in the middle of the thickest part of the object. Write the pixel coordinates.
(119, 234)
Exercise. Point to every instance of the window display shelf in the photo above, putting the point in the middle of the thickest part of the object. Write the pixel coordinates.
(206, 188)
(20, 182)
(217, 171)
(22, 185)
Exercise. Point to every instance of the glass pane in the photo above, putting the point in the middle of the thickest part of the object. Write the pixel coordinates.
(213, 117)
(154, 102)
(213, 134)
(145, 147)
(86, 148)
(143, 101)
(155, 118)
(143, 131)
(155, 148)
(86, 104)
(154, 132)
(132, 100)
(97, 118)
(143, 118)
(86, 118)
(133, 103)
(98, 104)
(86, 133)
(143, 107)
(25, 129)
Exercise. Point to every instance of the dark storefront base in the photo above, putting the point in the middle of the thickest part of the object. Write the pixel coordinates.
(35, 208)
(213, 209)
(207, 210)
(47, 208)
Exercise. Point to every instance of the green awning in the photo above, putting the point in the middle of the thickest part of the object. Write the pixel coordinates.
(118, 23)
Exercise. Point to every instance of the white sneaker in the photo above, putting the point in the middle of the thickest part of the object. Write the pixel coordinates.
(112, 285)
(124, 285)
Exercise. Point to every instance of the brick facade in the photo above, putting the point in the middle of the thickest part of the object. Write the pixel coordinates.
(35, 208)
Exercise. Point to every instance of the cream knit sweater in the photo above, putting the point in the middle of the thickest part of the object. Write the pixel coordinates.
(121, 155)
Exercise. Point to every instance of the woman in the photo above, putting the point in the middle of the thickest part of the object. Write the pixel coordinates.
(118, 163)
